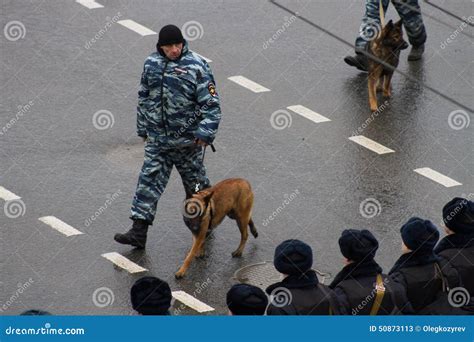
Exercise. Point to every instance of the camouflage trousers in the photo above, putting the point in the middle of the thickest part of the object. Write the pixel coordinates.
(408, 10)
(155, 173)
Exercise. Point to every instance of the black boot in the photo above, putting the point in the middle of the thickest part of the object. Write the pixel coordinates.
(135, 236)
(416, 53)
(359, 61)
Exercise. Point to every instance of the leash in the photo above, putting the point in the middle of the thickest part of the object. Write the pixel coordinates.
(197, 187)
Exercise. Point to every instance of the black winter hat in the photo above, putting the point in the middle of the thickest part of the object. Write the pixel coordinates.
(358, 245)
(419, 234)
(244, 299)
(293, 257)
(151, 296)
(169, 34)
(35, 312)
(458, 215)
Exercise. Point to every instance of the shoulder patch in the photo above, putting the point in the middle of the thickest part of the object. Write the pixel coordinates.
(212, 89)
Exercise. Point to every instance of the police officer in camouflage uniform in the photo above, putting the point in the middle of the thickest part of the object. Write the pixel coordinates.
(178, 115)
(410, 13)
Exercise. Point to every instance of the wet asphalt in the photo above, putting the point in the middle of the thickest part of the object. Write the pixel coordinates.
(309, 180)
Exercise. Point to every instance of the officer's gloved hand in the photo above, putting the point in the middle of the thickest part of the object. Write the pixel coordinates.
(144, 138)
(200, 142)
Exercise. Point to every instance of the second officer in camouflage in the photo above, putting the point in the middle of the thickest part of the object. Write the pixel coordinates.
(178, 114)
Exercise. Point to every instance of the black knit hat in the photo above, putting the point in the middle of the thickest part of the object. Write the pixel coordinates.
(169, 34)
(458, 216)
(151, 296)
(293, 257)
(419, 234)
(244, 299)
(358, 245)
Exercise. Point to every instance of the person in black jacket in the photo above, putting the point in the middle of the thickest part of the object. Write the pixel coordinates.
(419, 270)
(151, 296)
(300, 292)
(245, 299)
(457, 246)
(361, 287)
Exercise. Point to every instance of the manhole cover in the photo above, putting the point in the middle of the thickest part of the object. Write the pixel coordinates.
(264, 274)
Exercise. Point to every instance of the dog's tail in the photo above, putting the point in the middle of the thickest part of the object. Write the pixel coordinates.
(253, 230)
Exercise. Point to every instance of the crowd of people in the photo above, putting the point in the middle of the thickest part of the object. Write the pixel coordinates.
(420, 282)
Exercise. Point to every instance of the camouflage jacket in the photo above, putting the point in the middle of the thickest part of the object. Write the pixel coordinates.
(177, 100)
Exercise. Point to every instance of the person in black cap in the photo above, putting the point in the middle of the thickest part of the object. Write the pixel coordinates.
(151, 296)
(361, 287)
(419, 270)
(300, 292)
(35, 312)
(178, 115)
(457, 246)
(245, 299)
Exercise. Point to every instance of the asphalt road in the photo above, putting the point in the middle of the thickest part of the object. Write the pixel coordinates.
(69, 62)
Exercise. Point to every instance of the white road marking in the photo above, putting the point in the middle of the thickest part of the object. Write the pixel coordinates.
(308, 113)
(60, 226)
(123, 262)
(246, 83)
(134, 26)
(90, 4)
(192, 302)
(370, 144)
(8, 195)
(437, 177)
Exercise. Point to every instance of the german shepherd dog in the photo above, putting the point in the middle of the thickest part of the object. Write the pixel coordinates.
(206, 209)
(387, 47)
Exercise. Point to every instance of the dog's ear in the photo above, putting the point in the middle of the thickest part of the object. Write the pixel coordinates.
(399, 23)
(386, 29)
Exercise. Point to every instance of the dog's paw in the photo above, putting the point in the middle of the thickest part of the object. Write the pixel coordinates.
(236, 254)
(201, 255)
(179, 275)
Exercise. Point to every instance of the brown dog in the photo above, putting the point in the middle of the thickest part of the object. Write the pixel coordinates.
(206, 209)
(386, 47)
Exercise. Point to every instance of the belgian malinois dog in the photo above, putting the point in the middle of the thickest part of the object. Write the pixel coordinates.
(387, 47)
(206, 209)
